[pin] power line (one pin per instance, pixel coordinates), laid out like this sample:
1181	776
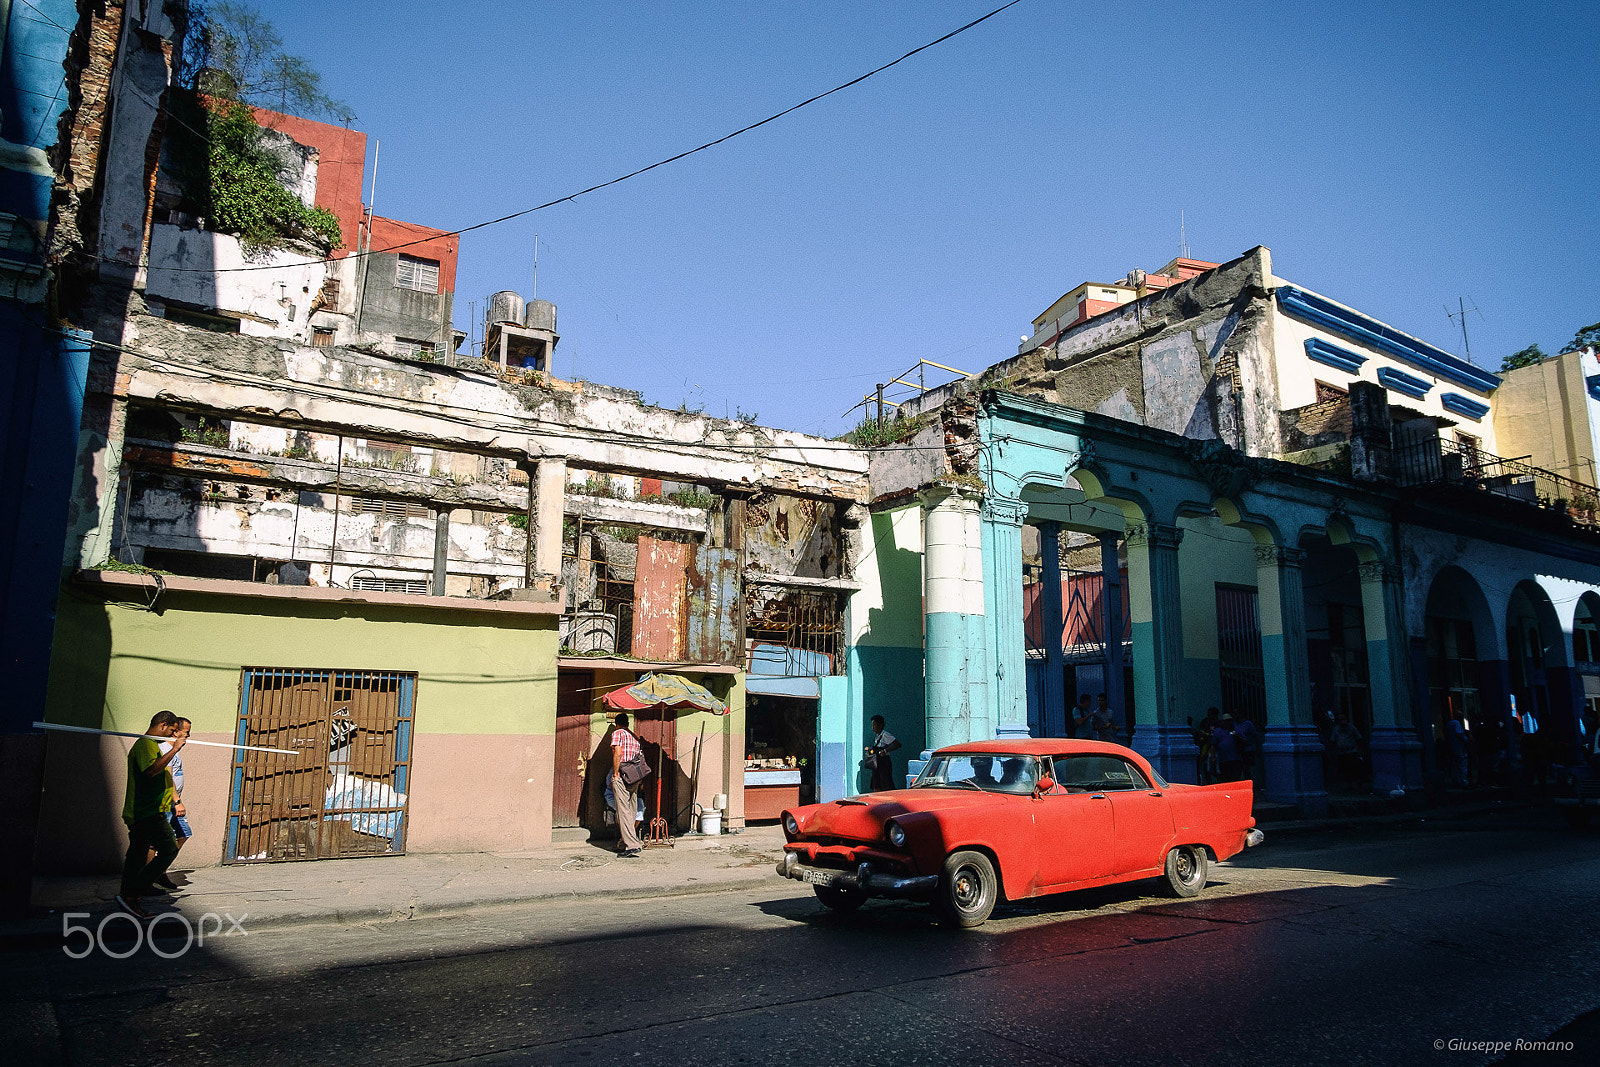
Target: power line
615	181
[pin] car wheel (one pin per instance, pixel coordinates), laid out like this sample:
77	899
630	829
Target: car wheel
1577	817
968	889
1186	870
839	899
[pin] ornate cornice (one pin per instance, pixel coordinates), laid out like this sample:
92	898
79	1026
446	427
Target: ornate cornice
1379	571
1279	556
1154	535
1003	511
1226	471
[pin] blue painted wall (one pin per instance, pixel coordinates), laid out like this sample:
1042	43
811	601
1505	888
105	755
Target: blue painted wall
42	372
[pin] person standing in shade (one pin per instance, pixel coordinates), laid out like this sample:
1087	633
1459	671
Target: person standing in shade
624	749
883	743
1104	723
147	810
1082	719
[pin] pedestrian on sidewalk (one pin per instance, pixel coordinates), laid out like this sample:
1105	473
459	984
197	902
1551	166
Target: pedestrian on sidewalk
624	749
179	814
883	743
147	809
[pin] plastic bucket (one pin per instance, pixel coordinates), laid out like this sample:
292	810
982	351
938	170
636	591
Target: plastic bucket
711	823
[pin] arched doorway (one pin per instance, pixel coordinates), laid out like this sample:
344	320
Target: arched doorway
1336	653
1541	682
1586	660
1463	671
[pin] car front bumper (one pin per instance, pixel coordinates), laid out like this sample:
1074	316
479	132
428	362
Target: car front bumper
861	879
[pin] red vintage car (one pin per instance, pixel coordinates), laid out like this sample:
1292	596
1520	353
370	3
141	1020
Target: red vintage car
997	820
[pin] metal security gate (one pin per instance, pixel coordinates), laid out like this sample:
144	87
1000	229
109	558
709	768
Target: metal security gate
344	792
1244	686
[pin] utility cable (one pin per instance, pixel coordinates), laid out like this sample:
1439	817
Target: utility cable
614	181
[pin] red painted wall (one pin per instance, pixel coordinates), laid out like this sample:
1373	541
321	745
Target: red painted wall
435	244
341	166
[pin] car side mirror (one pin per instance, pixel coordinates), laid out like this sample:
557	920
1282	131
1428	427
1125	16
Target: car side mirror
1044	785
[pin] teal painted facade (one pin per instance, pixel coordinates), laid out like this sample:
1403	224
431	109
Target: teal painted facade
1185	531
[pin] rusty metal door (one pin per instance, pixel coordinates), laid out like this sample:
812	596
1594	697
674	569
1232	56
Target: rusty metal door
343	792
574	746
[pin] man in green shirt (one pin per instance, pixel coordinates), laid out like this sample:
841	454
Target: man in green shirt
146	809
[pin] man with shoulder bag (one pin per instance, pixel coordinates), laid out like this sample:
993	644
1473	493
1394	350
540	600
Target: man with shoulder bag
628	769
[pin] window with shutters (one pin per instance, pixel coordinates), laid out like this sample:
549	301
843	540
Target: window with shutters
417	273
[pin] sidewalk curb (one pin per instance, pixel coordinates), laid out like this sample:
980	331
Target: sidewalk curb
45	931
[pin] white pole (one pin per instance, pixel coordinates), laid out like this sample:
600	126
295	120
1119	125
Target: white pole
156	737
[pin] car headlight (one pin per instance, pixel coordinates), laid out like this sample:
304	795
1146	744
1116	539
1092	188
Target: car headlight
897	834
791	825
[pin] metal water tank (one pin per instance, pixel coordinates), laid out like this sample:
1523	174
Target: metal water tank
505	306
541	315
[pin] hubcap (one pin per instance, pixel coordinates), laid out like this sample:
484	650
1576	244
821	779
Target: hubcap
1185	866
967	888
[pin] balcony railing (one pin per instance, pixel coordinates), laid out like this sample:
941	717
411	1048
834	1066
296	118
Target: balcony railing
1437	461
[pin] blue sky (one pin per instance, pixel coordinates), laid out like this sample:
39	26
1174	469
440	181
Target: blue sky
1393	156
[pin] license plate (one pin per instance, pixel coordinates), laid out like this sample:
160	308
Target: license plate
819	877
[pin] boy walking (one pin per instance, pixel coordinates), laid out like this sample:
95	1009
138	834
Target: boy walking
146	810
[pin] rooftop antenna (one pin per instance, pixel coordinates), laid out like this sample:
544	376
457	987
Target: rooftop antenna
1459	316
536	266
1183	236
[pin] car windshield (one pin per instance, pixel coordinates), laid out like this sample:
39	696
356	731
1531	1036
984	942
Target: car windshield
989	773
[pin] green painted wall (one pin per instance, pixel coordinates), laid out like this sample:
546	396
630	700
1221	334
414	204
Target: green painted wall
116	664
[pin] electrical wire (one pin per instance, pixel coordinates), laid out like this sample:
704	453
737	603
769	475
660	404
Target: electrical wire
625	177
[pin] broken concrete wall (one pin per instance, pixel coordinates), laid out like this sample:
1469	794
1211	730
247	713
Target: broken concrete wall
139	82
1194	359
792	536
185	266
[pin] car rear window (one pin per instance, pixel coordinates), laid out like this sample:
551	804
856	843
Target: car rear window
1097	773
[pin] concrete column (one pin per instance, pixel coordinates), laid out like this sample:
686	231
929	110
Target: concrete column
1053	693
1291	752
1002	590
1155	605
1111	603
1396	751
441	550
956	663
550	483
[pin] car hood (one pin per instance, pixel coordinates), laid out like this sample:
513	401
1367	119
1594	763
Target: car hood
862	818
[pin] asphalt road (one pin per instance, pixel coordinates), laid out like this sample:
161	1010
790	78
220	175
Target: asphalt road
1374	946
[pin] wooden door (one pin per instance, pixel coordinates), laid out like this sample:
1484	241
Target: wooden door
278	797
574	696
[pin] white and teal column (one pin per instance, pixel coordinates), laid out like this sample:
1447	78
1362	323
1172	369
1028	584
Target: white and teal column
1396	751
1155	607
1002	590
958	707
1291	752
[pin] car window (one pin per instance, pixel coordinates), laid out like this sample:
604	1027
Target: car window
1097	774
991	773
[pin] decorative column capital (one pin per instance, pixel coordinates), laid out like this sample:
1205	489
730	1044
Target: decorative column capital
951	495
1004	512
1380	571
1154	535
1279	556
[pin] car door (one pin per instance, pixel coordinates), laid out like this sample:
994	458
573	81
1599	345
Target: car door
1141	818
1074	829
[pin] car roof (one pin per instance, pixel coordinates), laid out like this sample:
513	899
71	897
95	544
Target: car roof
1040	746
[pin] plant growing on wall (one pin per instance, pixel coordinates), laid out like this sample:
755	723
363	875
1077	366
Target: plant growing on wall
232	59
